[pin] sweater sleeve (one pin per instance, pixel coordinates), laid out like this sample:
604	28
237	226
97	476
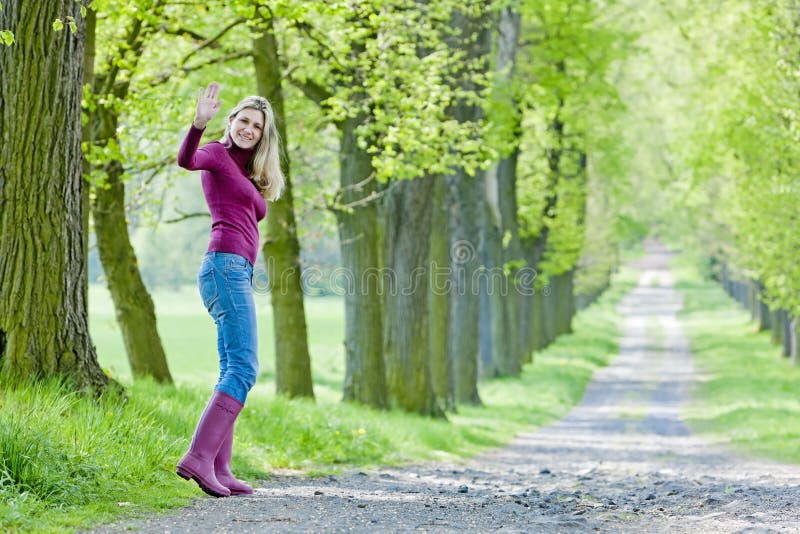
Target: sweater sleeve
192	158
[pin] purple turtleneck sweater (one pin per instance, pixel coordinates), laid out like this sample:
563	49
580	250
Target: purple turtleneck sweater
234	201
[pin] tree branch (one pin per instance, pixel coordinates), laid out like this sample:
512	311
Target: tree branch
165	75
186	32
336	207
184	216
314	91
213	40
326	53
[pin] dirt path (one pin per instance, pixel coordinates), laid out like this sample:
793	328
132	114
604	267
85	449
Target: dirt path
620	461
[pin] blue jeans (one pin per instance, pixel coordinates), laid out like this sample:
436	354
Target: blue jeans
225	287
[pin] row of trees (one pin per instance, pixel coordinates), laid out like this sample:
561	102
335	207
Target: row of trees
729	149
475	145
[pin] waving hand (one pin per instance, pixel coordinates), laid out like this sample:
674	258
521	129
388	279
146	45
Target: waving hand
208	105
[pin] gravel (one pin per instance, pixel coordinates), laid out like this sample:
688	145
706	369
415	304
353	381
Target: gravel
621	461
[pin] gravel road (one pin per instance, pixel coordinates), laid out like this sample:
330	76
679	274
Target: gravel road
621	461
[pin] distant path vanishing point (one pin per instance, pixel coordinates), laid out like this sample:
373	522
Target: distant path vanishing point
622	460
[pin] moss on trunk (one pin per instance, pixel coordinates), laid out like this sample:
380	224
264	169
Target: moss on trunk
43	309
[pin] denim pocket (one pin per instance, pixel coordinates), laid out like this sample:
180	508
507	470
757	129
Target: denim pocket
207	283
234	262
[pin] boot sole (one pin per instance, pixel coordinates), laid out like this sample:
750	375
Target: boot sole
188	476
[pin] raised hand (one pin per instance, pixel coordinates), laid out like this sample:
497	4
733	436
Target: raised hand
207	105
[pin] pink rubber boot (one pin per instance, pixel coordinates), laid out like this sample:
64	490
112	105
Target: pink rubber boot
222	468
212	429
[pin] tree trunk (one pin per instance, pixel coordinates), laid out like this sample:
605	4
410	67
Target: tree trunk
744	294
493	289
506	173
532	307
357	218
43	310
567	304
513	260
786	349
794	337
464	299
359	238
525	327
760	308
569	300
438	296
549	311
281	248
133	305
405	339
472	38
559	305
724	278
775	327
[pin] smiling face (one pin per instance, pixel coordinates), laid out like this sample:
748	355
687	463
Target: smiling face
247	127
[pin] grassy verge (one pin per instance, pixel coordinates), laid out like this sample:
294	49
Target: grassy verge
68	462
749	397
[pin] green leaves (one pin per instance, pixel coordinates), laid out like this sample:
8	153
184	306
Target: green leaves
728	155
6	36
58	24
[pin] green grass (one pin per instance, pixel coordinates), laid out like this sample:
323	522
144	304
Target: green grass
190	339
68	462
750	395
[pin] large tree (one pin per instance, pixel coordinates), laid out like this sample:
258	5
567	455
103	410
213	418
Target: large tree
282	248
110	84
43	309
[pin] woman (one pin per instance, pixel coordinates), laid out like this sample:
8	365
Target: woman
238	175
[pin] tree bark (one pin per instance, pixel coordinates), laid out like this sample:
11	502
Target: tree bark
744	294
493	288
438	297
571	304
464	301
724	278
775	327
786	349
760	308
406	343
281	248
566	303
462	331
794	337
466	212
43	309
532	306
513	260
550	311
752	300
359	238
506	174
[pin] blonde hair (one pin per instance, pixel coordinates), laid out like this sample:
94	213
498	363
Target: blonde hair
265	164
